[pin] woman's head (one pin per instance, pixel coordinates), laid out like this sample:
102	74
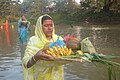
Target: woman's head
23	17
47	26
44	28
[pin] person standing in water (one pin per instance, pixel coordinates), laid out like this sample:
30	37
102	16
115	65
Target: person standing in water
36	64
23	26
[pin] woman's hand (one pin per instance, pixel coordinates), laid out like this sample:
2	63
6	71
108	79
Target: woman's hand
40	55
43	56
24	22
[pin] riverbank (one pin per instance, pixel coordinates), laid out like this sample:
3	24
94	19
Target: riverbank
86	19
97	19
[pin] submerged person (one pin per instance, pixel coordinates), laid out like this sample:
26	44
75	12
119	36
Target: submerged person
23	26
37	65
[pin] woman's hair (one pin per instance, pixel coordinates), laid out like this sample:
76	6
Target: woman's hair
22	15
45	18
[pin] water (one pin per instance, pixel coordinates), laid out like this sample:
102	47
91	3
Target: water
105	38
10	56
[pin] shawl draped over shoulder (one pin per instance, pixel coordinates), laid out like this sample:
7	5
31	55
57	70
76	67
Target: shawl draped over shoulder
41	70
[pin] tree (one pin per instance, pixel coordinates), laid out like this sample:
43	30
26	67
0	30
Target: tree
34	8
9	7
100	5
4	7
66	6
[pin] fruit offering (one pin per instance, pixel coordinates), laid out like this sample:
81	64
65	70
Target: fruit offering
57	51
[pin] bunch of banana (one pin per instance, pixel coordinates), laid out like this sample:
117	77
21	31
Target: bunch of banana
57	51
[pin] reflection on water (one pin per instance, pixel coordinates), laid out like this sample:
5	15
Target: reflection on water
7	35
10	68
10	56
105	38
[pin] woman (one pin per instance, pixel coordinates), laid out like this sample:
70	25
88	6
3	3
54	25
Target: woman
36	64
23	26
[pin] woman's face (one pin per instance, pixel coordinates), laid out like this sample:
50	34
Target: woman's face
23	18
48	27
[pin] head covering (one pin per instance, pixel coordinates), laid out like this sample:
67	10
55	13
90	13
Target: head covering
49	68
39	32
20	20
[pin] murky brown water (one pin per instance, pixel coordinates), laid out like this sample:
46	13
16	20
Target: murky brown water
106	39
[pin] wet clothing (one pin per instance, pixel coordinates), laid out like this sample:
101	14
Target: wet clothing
22	30
41	70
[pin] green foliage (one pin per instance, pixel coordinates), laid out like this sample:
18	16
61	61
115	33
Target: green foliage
61	18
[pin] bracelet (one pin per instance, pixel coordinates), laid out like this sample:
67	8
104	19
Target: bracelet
33	59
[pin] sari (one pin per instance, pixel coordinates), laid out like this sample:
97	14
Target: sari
41	70
22	31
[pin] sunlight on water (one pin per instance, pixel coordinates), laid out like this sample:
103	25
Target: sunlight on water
94	28
11	66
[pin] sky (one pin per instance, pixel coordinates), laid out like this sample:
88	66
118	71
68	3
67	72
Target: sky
21	1
78	1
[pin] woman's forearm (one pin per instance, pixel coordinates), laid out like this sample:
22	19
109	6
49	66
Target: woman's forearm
31	62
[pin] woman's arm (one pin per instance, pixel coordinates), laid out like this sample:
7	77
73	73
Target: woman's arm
31	62
38	56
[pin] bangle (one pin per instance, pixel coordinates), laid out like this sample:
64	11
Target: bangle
31	61
34	59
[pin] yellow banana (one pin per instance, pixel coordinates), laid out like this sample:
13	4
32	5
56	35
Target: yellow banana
51	50
66	51
62	50
48	52
80	52
54	48
58	51
70	51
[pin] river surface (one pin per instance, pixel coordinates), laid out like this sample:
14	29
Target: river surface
105	38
